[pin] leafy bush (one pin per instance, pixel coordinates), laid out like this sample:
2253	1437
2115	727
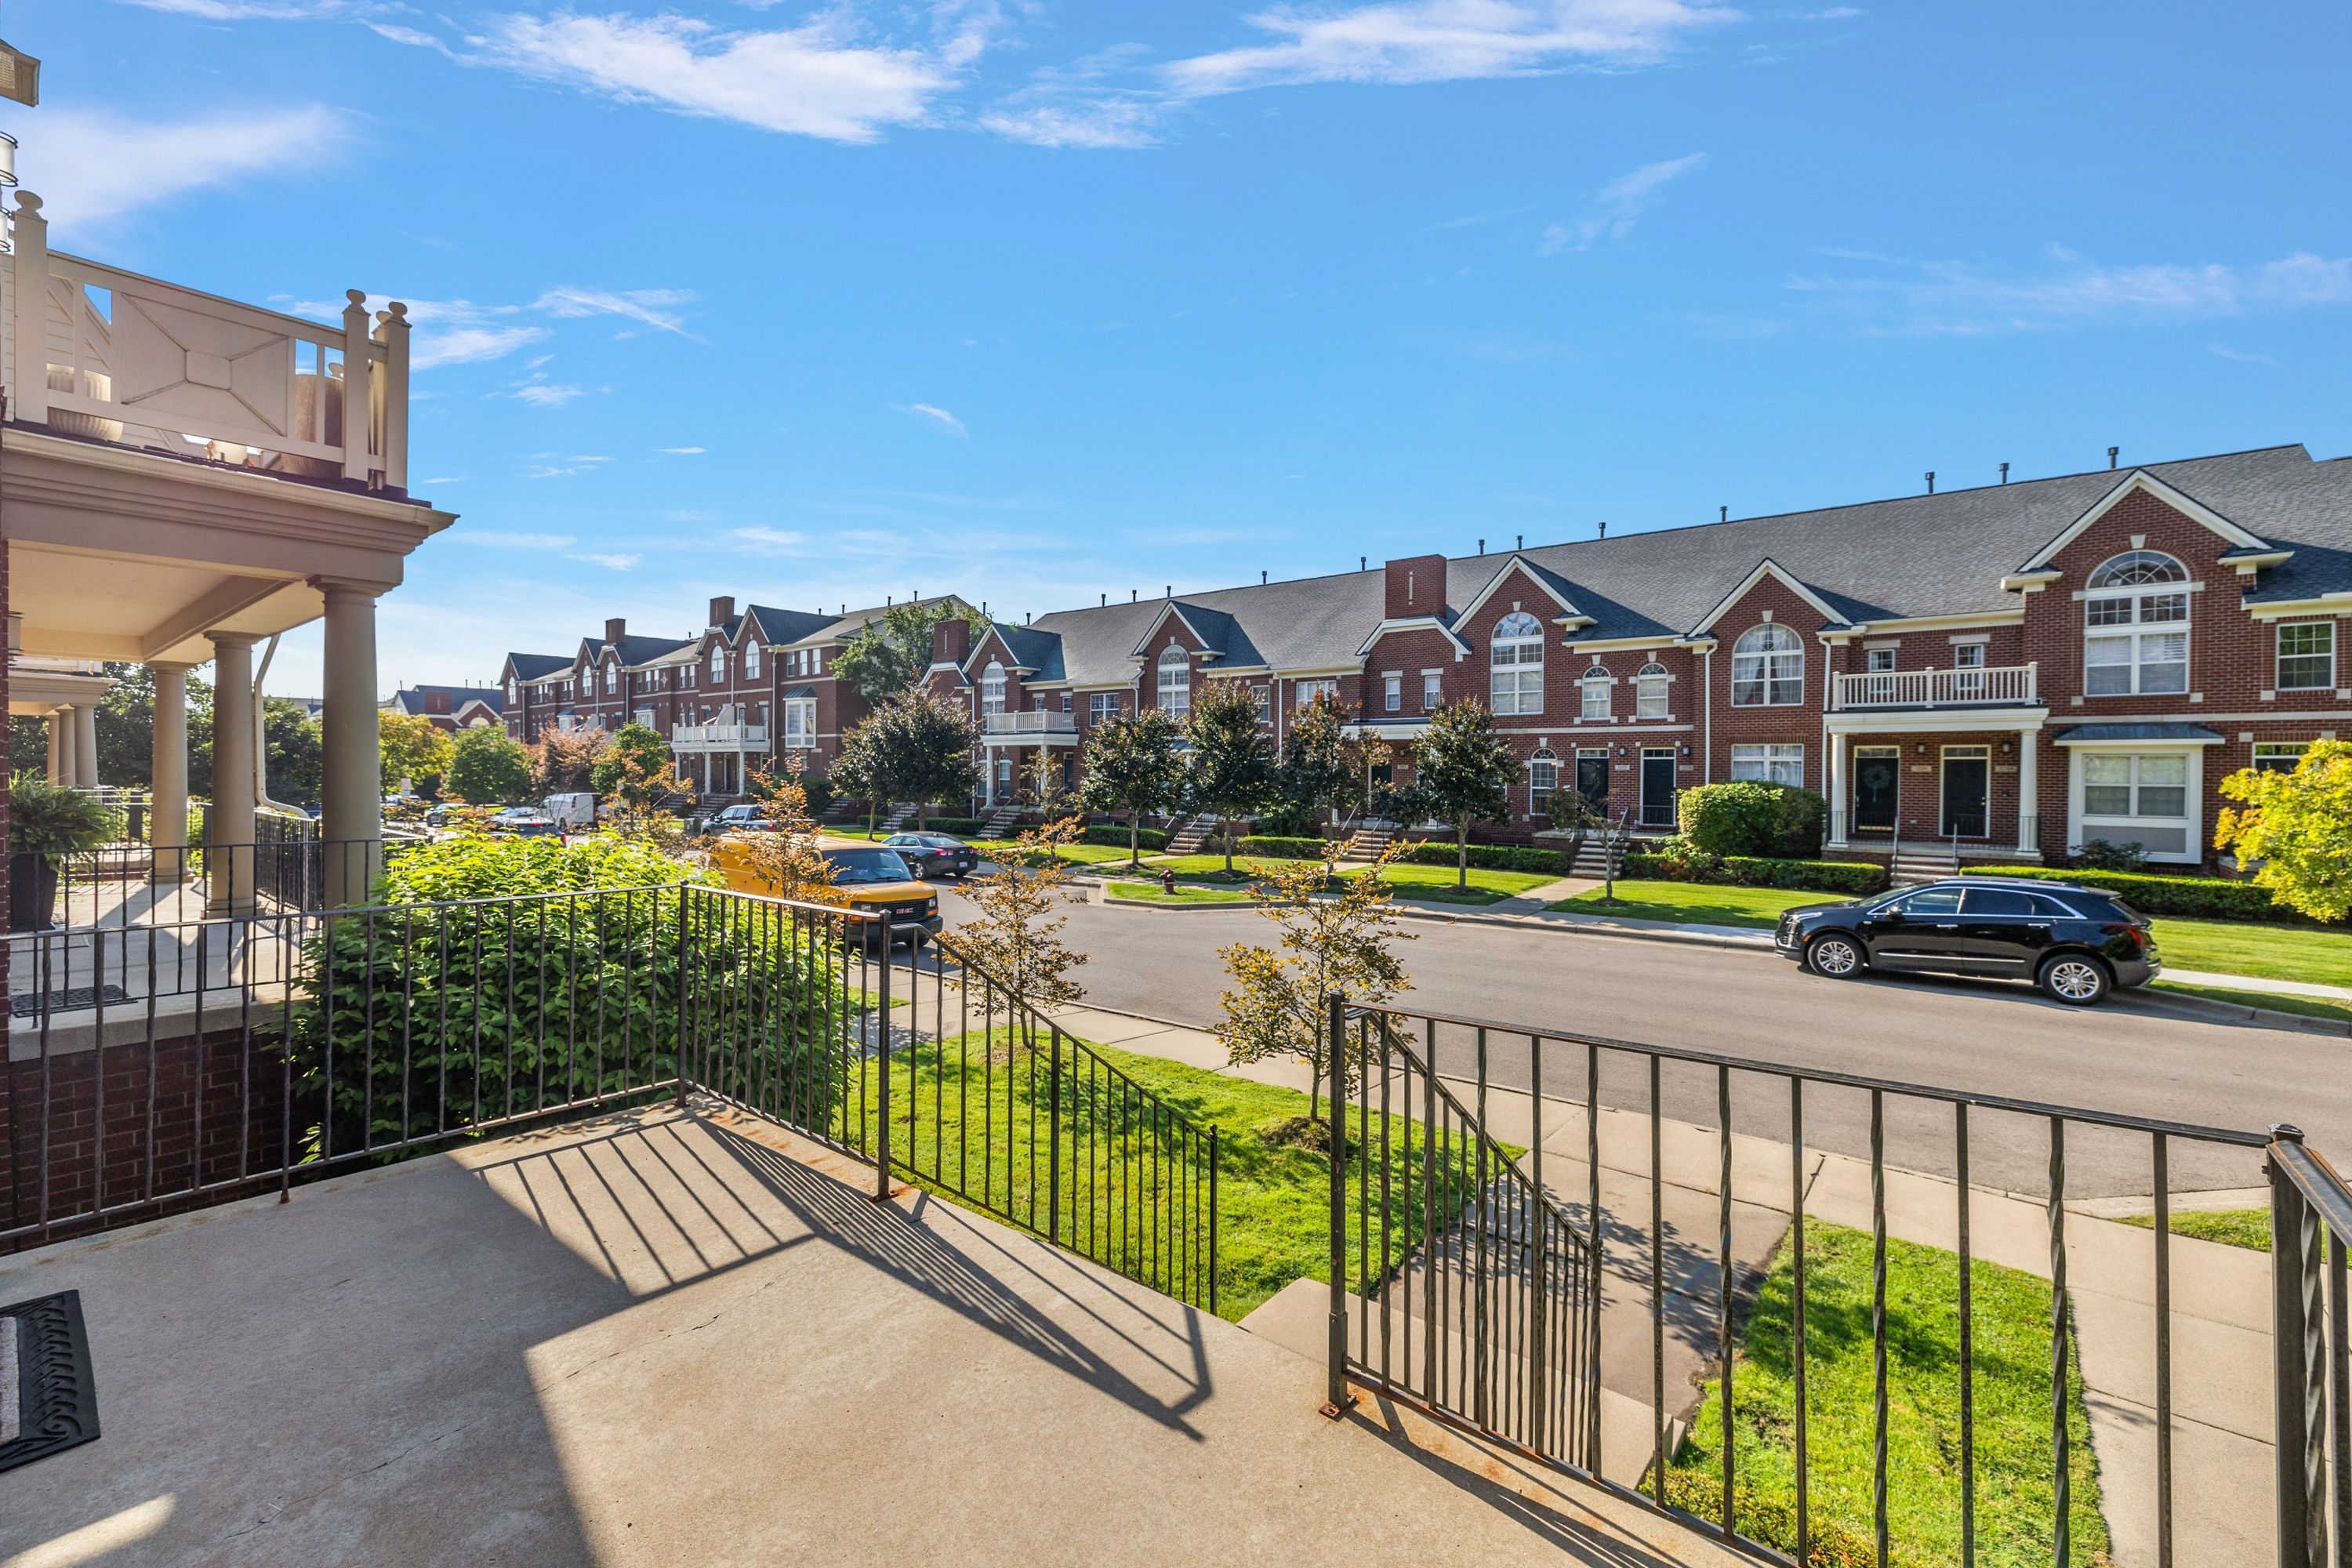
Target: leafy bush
1285	848
820	789
55	819
1748	817
1152	838
1491	857
1289	819
2184	898
963	825
2099	855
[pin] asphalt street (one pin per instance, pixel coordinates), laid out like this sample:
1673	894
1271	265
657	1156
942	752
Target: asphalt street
2129	1058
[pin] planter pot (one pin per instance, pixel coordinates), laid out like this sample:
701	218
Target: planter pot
32	891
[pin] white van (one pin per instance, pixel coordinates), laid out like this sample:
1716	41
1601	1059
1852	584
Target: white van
569	812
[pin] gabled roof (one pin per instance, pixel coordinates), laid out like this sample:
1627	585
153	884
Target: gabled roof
1768	567
1217	632
1542	577
1038	652
777	626
412	699
2138	480
536	665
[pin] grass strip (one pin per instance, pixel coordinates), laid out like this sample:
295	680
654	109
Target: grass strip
2249	1228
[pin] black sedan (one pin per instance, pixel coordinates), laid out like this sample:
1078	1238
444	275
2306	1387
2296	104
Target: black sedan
2076	944
930	854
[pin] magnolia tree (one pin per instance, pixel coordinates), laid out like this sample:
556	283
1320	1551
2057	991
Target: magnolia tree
1132	766
1015	938
914	746
2294	829
1338	942
1229	769
1463	772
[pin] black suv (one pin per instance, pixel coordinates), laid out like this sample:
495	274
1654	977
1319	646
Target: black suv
928	855
2076	944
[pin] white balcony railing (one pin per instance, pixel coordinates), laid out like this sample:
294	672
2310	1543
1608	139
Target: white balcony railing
724	736
95	352
1031	721
1936	687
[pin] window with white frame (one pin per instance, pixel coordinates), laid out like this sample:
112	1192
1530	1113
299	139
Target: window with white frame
2138	798
612	677
799	723
2135	626
1543	777
2306	656
1767	668
718	666
1878	660
1100	706
511	691
991	688
1263	697
751	661
1651	689
2278	756
1594	689
1393	693
1175	683
1302	693
1432	690
1770	764
1969	667
1515	662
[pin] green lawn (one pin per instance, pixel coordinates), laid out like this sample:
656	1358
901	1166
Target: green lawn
2011	1346
2265	951
2232	1228
1185	894
1695	903
1076	853
1192	866
1436	883
969	1117
2277	1002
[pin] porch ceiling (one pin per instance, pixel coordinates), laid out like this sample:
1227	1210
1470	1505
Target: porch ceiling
89	604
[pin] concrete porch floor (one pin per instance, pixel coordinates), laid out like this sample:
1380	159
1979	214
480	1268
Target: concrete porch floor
668	1338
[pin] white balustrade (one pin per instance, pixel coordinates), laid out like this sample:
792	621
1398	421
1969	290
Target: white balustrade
1030	721
726	736
2008	683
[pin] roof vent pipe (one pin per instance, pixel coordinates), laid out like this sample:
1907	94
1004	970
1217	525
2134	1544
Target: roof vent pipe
1482	547
1102	602
2111	456
1604	528
1723	514
1261	576
1931	481
2004	473
1171	593
1521	544
1361	562
1130	595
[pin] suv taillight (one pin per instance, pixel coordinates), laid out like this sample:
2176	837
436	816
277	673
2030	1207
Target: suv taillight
2137	933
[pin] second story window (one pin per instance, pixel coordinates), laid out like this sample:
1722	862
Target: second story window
2306	656
1516	665
1651	686
1432	690
511	691
992	689
1393	693
751	661
1100	706
1175	683
1969	667
1767	668
612	677
1263	697
2135	626
1595	689
718	667
1302	693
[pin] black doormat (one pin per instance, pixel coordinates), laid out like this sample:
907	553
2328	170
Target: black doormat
47	1400
28	1004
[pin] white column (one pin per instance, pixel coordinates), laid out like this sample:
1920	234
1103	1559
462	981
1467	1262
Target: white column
2028	790
85	746
167	834
28	393
228	851
1840	753
61	754
351	817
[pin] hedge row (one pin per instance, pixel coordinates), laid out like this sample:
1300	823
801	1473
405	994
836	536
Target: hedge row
1851	877
962	824
1283	848
1116	837
1491	857
2188	897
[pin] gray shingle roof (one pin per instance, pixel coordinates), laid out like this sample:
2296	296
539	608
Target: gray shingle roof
411	698
531	666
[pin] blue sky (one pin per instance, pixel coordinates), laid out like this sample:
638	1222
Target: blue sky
1043	301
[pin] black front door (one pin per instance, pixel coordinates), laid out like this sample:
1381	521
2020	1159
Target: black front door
1968	774
1657	788
1877	780
1592	778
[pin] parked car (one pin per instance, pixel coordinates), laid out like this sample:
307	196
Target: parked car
870	879
577	809
524	821
934	854
2076	944
744	816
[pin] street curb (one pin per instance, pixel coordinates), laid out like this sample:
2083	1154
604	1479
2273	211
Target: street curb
2205	1008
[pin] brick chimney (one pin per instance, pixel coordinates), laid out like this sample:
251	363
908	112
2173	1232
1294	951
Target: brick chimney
436	702
1416	587
615	629
951	640
722	610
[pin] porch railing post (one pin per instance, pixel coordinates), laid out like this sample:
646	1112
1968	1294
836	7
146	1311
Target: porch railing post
882	1074
677	1044
1335	1383
2289	1216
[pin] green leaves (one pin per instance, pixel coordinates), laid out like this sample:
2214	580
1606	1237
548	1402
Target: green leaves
2295	828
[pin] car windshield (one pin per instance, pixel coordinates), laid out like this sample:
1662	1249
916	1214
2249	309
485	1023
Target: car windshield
852	867
1877	901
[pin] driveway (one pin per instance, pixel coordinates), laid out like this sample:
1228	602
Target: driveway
1983	1036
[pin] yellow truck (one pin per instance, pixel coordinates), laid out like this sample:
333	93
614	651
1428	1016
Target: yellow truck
871	880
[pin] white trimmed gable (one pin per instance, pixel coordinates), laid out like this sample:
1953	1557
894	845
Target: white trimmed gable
1768	567
2138	480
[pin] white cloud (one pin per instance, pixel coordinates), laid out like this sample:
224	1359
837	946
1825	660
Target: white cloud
939	415
810	80
768	541
459	331
1620	203
2224	352
88	166
685	451
1093	122
549	467
1955	297
618	562
499	540
542	395
651	306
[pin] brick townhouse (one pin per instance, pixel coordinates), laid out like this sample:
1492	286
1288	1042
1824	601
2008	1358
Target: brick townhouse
450	708
751	688
1996	673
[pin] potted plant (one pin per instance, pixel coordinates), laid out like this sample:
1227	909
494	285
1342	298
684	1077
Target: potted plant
46	821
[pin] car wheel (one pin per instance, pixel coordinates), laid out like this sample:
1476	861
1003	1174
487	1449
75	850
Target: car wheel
1836	955
2074	978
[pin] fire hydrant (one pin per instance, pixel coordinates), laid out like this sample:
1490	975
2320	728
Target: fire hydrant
1168	883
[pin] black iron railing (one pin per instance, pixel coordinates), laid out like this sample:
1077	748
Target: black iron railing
1507	1287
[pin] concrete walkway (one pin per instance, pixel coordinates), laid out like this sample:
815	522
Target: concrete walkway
665	1339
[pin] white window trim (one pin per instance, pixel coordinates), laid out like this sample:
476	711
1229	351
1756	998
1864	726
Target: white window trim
1773	752
1766	668
2278	658
1173	661
1526	697
2081	829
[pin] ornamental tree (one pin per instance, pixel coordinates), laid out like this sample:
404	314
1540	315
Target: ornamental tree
889	654
2296	829
1321	770
410	746
1229	770
1463	772
486	768
913	746
1133	766
1015	938
565	760
637	767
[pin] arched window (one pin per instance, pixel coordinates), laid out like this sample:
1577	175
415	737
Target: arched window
1175	683
1543	777
1595	686
751	661
1516	664
1767	668
511	691
991	688
1650	695
612	676
718	666
2135	626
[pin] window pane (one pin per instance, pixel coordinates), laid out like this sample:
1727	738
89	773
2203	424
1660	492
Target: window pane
1997	901
2163	607
2109	612
2164	770
1932	902
2165	802
2106	770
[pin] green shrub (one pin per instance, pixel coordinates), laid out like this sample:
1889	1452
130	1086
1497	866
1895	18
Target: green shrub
1491	857
56	819
1115	836
1856	878
963	826
1744	817
2184	898
1284	849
